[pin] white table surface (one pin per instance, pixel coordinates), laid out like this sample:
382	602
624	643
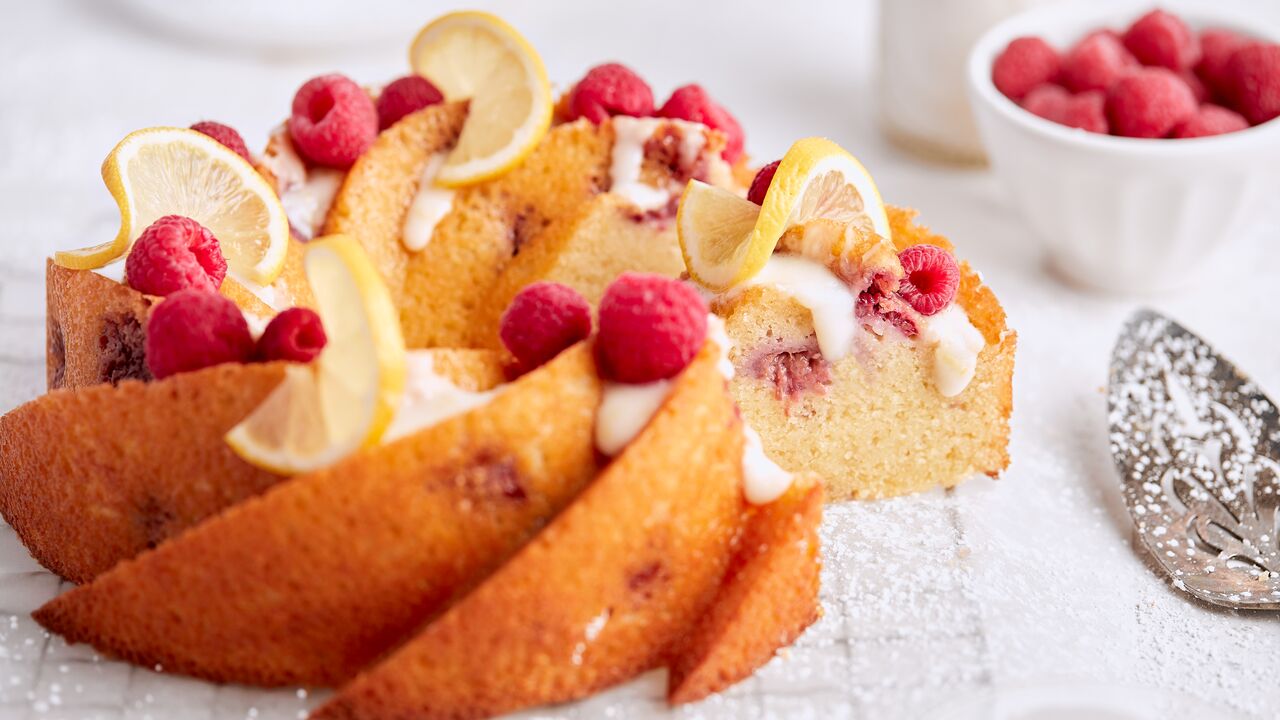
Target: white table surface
1026	585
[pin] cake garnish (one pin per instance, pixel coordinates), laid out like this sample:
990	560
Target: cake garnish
333	121
405	95
295	335
607	91
175	253
226	135
650	328
932	278
193	329
693	103
542	320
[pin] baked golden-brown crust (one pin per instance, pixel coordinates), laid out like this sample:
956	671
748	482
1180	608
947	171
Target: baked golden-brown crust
601	594
769	597
92	475
317	578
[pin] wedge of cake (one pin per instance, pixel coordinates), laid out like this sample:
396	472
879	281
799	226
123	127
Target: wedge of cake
863	349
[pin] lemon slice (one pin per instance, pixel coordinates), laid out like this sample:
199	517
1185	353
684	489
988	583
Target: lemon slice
726	240
345	400
173	171
476	56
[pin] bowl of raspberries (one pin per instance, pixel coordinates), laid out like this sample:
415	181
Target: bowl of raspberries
1137	141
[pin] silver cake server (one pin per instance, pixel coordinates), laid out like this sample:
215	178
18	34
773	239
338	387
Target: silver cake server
1197	446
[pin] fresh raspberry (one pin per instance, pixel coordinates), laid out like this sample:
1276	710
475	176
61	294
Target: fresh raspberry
1216	48
296	335
405	95
193	329
1087	111
175	253
651	327
1198	89
760	185
932	278
1210	120
1253	81
608	90
333	120
1147	103
692	103
1025	63
1048	101
1096	62
226	135
543	319
1163	40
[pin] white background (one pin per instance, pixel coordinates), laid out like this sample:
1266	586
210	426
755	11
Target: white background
1028	584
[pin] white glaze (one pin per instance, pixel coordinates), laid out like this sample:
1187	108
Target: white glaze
308	203
625	410
827	298
717	334
283	161
430	204
630	135
763	481
112	271
257	323
956	344
274	296
430	398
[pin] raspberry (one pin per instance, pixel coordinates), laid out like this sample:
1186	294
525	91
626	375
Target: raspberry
1253	81
1086	111
1047	101
1096	62
405	95
760	185
543	319
333	120
608	90
932	278
226	135
1210	120
193	329
1216	48
296	335
1025	63
651	327
1198	89
692	103
1147	103
175	253
1163	40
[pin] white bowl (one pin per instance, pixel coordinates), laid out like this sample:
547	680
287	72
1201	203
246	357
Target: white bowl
1123	214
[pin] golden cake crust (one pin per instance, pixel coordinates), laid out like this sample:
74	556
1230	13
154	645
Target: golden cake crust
97	474
769	597
601	594
314	580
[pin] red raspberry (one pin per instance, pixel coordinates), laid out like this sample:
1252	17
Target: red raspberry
760	185
175	253
405	95
1216	48
1253	81
1096	62
932	278
333	120
692	103
1210	120
543	319
226	135
1163	40
1198	89
1147	103
296	335
651	327
608	90
193	329
1048	101
1086	111
1025	63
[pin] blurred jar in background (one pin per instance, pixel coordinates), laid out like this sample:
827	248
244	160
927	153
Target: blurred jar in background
923	48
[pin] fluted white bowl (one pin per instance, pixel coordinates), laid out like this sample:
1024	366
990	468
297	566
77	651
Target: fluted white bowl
1123	214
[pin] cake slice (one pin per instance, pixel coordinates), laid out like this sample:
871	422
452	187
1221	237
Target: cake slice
310	582
863	350
601	594
95	475
768	598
